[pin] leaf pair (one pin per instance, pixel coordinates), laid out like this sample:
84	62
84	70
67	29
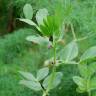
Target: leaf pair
40	16
47	25
88	79
32	82
85	85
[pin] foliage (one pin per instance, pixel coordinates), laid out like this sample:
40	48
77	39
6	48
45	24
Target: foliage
79	23
50	26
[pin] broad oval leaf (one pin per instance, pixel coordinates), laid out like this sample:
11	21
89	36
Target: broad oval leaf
41	16
80	82
28	11
69	52
31	84
27	76
39	40
89	54
55	82
42	73
83	70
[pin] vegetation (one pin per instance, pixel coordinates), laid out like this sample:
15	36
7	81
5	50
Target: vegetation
48	48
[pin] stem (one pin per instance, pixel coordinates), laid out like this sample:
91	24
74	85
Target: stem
54	48
45	93
89	93
73	32
54	67
88	86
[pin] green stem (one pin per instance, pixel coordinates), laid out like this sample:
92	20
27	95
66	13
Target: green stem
54	48
89	93
88	86
73	32
54	68
45	93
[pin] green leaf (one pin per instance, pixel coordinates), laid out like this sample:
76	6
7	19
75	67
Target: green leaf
89	54
87	70
30	22
83	70
50	27
55	82
80	82
31	84
80	90
28	11
69	52
41	16
39	40
92	68
27	76
42	73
